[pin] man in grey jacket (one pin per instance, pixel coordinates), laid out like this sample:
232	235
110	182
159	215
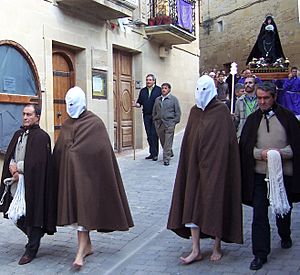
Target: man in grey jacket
166	114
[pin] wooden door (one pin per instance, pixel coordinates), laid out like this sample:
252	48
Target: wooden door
63	80
123	95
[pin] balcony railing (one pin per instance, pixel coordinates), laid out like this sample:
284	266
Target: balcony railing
172	20
180	13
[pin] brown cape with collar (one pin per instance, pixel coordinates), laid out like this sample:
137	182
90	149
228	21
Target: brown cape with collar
248	141
207	189
90	190
40	190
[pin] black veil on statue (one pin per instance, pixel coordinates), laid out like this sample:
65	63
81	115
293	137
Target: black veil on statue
267	44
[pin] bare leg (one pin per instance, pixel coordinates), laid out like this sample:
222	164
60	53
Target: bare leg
84	248
196	253
217	252
89	249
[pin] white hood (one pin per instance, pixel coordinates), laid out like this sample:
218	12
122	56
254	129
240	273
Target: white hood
76	102
205	91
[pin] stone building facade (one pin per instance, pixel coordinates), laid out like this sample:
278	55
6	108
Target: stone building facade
229	29
77	43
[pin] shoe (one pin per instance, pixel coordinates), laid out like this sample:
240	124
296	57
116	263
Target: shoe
25	259
286	244
257	263
155	158
166	163
149	157
172	155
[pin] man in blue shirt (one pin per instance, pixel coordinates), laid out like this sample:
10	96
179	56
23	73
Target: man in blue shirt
248	73
291	96
292	83
146	99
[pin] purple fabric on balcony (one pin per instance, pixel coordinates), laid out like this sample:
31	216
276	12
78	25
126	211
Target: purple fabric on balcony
185	15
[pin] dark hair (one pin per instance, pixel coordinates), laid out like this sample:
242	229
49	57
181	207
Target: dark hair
253	77
166	84
268	86
294	68
151	75
238	86
36	107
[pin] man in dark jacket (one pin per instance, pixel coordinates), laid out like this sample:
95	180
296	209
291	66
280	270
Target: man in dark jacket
271	127
28	157
146	99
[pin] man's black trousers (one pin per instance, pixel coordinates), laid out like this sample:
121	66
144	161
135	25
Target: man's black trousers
34	235
261	243
151	135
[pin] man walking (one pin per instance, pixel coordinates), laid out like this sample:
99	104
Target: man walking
146	99
245	105
206	199
91	194
271	127
28	157
166	114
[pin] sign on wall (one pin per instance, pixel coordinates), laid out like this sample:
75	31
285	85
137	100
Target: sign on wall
99	84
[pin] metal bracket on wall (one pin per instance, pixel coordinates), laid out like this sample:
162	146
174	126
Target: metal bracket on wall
207	24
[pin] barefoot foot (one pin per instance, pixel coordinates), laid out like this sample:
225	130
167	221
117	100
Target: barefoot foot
76	267
88	253
79	260
216	255
193	257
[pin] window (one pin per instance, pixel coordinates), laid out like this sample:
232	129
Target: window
19	85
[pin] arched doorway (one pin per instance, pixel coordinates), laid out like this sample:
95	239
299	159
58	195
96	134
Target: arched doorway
63	61
19	85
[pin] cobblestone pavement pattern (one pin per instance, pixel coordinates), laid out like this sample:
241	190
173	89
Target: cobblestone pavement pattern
148	248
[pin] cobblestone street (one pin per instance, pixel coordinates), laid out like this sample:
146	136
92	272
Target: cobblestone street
148	248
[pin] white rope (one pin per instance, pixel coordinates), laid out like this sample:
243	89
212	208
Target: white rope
17	207
276	190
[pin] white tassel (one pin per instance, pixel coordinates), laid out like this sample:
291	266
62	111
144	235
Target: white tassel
17	207
277	194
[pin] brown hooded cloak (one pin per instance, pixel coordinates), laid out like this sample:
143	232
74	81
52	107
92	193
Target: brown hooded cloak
90	189
207	189
40	190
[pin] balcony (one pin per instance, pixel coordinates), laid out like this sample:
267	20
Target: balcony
102	9
171	22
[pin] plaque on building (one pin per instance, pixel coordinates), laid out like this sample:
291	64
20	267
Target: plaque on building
99	82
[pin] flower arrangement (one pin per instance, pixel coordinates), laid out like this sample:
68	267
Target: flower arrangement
262	64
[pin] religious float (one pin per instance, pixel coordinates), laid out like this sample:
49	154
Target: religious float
267	60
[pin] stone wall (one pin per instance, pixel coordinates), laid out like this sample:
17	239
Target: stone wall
242	20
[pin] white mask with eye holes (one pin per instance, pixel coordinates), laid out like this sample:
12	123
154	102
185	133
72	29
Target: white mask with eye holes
76	102
205	91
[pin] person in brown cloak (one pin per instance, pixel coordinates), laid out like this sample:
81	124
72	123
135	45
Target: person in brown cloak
91	195
27	163
207	192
